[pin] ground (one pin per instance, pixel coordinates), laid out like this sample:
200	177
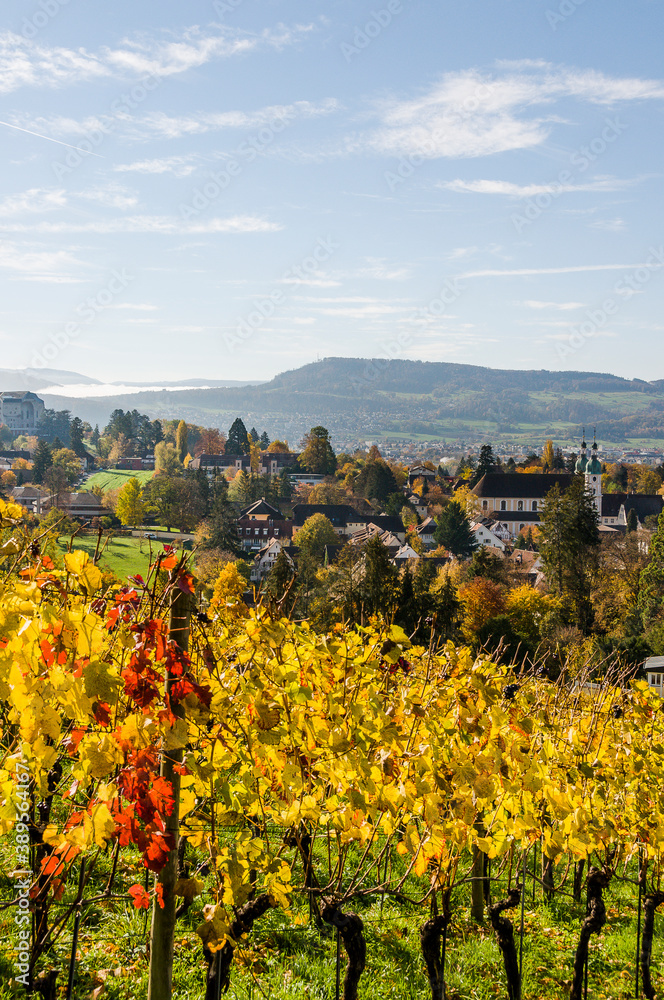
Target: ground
114	479
124	556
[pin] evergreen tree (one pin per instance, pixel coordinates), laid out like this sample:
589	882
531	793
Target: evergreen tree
454	531
254	435
41	461
486	462
569	545
285	485
279	580
317	455
380	584
265	441
94	440
632	521
407	613
376	481
651	580
221	526
447	608
511	464
76	437
238	440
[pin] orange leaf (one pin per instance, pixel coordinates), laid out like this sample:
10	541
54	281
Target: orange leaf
140	896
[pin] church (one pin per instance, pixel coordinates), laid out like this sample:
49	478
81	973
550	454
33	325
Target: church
514	499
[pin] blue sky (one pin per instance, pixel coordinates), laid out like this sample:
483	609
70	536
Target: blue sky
258	183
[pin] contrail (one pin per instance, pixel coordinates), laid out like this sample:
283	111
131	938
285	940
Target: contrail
59	142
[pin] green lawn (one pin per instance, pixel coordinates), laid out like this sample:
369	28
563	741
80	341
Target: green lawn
124	556
114	479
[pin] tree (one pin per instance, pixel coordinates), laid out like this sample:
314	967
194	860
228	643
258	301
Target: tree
131	506
548	455
380	586
237	442
316	532
486	462
210	442
647	481
651	582
376	481
181	444
173	501
220	531
56	482
94	438
279	579
317	456
454	532
632	521
68	461
569	545
76	437
54	425
41	461
482	599
254	435
279	448
166	459
265	442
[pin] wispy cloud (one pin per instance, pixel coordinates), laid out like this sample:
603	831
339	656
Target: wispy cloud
521	272
601	185
563	306
469	114
157	224
609	225
54	267
179	166
34	200
25	62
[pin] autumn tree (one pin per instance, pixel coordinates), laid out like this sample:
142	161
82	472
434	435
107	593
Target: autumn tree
482	599
210	442
181	441
311	539
68	461
317	455
166	459
548	455
130	506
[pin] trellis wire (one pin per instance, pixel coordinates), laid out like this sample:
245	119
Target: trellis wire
638	929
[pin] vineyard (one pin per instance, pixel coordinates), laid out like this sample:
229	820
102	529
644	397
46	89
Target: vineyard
199	801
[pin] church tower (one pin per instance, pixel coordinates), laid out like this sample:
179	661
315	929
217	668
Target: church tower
593	475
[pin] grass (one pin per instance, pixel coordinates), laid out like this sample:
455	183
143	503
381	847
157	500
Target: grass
287	958
123	556
114	479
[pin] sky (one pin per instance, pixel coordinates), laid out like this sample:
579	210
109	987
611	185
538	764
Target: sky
235	188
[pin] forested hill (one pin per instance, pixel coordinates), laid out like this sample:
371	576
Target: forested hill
342	375
366	398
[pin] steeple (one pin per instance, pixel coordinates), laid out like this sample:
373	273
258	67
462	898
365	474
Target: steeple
593	474
582	460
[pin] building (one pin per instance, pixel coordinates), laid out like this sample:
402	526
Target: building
265	559
29	497
83	506
514	499
489	532
261	522
271	463
22	412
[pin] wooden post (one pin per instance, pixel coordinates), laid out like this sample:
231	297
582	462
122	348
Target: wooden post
162	932
477	886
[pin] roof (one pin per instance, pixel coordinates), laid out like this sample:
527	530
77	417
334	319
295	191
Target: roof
645	504
260	508
27	491
20	394
525	516
521	485
654	663
340	514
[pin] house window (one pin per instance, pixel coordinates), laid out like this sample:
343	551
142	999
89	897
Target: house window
521	527
485	504
503	504
534	504
519	505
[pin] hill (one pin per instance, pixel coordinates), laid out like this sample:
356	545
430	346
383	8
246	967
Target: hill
359	399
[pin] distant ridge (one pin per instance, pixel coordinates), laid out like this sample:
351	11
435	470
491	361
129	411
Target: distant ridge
358	399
